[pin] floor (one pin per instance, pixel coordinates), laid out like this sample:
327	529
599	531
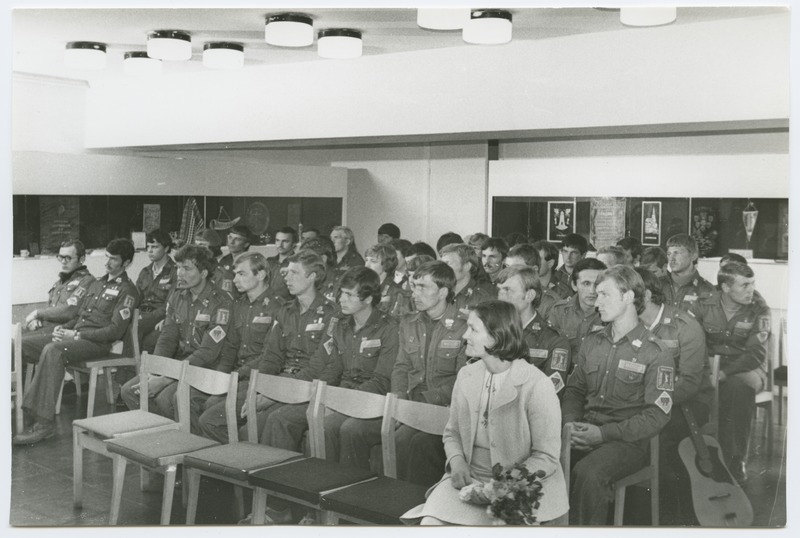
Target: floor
41	485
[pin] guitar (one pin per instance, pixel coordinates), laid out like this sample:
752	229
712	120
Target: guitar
718	500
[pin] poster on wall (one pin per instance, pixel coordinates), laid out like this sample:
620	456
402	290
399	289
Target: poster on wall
59	220
560	220
651	224
607	222
704	229
151	217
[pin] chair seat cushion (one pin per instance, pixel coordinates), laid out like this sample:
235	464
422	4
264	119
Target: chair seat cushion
107	426
155	449
381	501
237	460
306	479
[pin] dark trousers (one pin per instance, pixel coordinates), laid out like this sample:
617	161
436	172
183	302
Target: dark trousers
161	402
212	422
736	407
286	428
148	335
420	456
357	437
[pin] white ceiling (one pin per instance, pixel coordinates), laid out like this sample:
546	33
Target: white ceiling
39	35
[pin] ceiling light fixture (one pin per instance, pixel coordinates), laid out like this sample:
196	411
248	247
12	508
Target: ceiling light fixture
170	45
223	55
442	18
139	63
85	55
289	30
339	43
647	16
488	27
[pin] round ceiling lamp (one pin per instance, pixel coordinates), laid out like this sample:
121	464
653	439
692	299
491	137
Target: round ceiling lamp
223	55
170	45
647	16
289	30
442	18
85	55
139	63
488	27
339	43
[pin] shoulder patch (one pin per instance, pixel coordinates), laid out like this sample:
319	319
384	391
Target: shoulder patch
80	292
665	379
128	302
558	382
332	325
664	402
72	301
217	334
763	324
227	285
125	313
222	316
328	345
763	337
559	360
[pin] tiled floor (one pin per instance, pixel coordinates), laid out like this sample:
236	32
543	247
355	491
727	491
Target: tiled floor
41	486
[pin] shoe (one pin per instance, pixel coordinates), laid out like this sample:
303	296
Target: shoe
271	517
738	470
39	432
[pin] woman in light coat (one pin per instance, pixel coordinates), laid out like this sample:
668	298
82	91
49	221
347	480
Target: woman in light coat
503	410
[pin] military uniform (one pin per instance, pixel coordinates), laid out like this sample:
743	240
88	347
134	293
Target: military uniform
548	301
222	276
471	296
624	388
154	288
349	260
393	301
682	293
104	316
742	342
568	319
277	283
548	351
562	281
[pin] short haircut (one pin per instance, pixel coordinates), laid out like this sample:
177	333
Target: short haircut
257	263
632	245
651	284
312	263
449	238
627	279
311	230
441	274
465	253
477	240
586	263
497	243
161	237
213	239
550	250
528	276
200	256
528	253
727	273
389	229
504	326
387	254
620	256
240	229
290	231
323	246
348	233
364	281
576	241
80	249
732	257
403	245
421	247
121	247
654	255
515	238
683	240
418	261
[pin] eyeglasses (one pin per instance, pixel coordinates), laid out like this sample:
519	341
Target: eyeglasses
64	259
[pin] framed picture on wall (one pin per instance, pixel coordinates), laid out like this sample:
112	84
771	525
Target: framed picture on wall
560	220
651	223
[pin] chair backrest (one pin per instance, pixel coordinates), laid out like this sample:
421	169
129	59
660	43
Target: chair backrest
280	389
425	417
212	382
16	340
350	402
129	340
156	365
782	343
712	428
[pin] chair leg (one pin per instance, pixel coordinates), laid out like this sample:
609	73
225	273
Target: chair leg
116	491
619	506
28	376
327	517
92	392
169	493
193	485
77	469
184	491
259	506
76	378
109	386
60	395
144	479
770	431
238	501
654	502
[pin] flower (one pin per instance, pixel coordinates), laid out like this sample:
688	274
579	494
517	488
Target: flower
512	494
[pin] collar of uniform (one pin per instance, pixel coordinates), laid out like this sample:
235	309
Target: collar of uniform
659	318
66	276
120	278
371	320
318	301
685	280
450	313
259	299
636	334
204	293
529	325
575	304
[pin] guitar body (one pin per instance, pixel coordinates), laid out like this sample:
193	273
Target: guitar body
718	500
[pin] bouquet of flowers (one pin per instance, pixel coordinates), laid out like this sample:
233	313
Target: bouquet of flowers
512	495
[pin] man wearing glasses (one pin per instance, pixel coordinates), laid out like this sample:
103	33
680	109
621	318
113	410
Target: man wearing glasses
102	319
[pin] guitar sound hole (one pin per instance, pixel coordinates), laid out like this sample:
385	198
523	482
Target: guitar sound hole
719	473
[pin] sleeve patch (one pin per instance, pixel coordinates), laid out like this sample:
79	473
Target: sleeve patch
559	360
72	301
558	382
227	285
80	292
222	316
125	313
664	402
328	345
666	378
128	302
763	324
217	334
763	337
332	326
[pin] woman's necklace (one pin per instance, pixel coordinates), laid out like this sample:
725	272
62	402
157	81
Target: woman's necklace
489	390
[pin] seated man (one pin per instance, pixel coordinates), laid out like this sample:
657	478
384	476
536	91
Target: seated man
632	248
387	232
238	243
103	318
194	329
468	292
382	258
344	244
358	355
655	260
154	284
737	325
573	250
494	252
526	255
684	285
618	396
614	255
548	259
547	350
285	240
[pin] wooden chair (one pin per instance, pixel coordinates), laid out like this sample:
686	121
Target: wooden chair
648	475
566	465
234	461
765	401
382	501
90	433
712	426
780	376
16	376
162	451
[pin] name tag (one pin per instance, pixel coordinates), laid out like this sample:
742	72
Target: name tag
690	298
262	319
537	353
450	344
744	325
112	291
315	327
630	366
202	317
366	344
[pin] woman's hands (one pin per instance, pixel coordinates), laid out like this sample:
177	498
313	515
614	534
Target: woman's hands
459	472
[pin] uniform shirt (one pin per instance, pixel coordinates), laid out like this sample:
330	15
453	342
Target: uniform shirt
684	337
471	296
427	373
685	292
330	287
393	301
742	341
625	388
195	329
154	288
249	327
295	337
106	311
65	296
548	351
223	277
277	283
349	260
568	319
562	281
549	299
360	359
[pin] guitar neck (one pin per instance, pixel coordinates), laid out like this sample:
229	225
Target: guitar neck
694	432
